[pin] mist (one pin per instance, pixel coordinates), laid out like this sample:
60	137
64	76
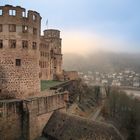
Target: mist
102	61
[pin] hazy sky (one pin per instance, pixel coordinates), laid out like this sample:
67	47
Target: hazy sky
90	25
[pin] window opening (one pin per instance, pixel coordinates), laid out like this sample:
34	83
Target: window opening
1	44
24	44
12	43
24	29
34	31
34	45
12	28
34	17
0	12
18	62
12	12
0	27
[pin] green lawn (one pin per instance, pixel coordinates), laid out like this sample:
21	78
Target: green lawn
47	84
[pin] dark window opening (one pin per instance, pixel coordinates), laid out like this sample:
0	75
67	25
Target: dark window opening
34	31
34	45
24	44
12	12
0	12
18	62
1	44
52	54
12	43
12	28
40	75
0	27
24	29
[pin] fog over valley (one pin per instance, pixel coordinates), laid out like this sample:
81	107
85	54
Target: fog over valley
102	61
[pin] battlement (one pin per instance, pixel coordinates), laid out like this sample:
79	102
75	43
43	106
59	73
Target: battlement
19	13
51	33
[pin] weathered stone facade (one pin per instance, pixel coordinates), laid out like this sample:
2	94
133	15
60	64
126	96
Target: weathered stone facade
71	75
26	57
25	119
50	55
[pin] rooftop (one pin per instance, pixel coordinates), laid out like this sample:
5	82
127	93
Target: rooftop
63	126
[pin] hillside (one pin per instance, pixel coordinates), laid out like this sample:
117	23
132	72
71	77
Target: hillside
103	62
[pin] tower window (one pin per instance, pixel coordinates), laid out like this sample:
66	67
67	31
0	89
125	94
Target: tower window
1	44
24	44
24	29
18	62
34	17
12	43
12	12
34	45
0	12
24	14
34	31
0	27
12	28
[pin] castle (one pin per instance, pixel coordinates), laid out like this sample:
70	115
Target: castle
26	56
26	59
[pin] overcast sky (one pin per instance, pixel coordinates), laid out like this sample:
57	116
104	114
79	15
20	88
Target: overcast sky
90	25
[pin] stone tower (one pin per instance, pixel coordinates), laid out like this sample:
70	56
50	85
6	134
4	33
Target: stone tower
19	51
53	37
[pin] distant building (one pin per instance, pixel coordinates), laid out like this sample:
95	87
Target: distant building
136	84
104	81
71	75
116	83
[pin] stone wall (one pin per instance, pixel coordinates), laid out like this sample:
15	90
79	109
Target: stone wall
71	75
25	119
18	57
26	57
10	120
41	110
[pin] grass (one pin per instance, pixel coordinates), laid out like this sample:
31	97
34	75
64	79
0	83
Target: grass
48	84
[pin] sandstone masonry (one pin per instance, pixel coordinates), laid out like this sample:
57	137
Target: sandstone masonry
26	57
